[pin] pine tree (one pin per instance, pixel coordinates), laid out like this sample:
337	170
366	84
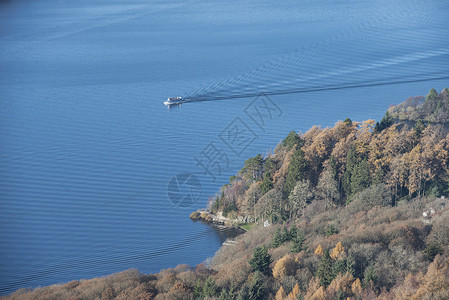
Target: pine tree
324	271
228	293
298	243
267	183
432	95
295	172
257	289
210	289
243	293
343	266
360	177
369	275
277	238
253	167
291	140
198	290
351	162
261	260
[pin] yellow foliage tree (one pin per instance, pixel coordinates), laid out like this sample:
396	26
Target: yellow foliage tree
312	289
294	293
356	287
436	280
338	252
281	295
284	267
319	250
342	283
319	294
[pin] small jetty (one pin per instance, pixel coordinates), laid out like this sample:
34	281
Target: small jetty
230	242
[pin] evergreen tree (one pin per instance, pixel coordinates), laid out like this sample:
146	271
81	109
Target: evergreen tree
285	234
205	290
271	165
369	275
293	232
343	266
291	140
253	167
360	177
325	271
432	95
298	243
351	162
198	290
210	289
331	230
277	238
386	122
432	250
295	172
257	289
229	293
261	260
282	236
243	293
267	183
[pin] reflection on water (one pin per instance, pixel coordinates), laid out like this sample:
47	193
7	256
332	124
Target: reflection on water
223	232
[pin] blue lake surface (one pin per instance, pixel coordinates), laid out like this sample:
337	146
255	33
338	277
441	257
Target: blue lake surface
88	149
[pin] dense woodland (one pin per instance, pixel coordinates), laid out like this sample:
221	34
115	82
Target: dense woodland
433	108
357	211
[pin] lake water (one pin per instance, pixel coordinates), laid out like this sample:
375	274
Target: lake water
90	155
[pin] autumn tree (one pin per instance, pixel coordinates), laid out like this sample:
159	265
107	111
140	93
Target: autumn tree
269	205
286	266
251	197
356	287
281	295
299	197
294	293
338	252
328	187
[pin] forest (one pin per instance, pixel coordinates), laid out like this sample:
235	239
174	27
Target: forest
355	211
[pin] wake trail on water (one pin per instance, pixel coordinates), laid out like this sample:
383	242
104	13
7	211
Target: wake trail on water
378	57
293	75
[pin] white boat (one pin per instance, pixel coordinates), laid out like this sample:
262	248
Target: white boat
174	100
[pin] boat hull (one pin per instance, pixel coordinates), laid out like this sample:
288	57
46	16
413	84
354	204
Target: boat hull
174	102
